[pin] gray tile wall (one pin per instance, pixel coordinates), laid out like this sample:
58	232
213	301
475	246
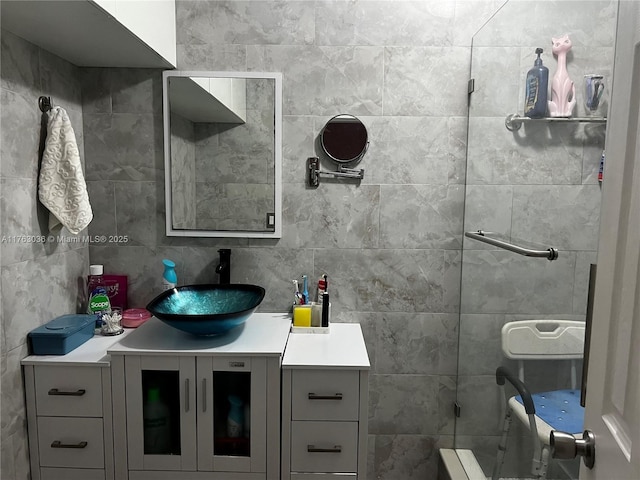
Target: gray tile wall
390	246
39	281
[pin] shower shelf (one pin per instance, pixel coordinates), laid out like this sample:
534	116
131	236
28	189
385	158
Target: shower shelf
514	121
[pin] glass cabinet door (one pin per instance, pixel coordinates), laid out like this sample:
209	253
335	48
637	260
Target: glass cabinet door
231	414
161	412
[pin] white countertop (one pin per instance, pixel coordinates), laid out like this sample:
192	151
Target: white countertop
93	352
343	347
262	334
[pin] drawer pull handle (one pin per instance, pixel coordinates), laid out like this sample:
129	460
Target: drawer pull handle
77	393
315	396
59	444
314	449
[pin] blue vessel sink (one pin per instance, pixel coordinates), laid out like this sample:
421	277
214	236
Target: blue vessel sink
206	309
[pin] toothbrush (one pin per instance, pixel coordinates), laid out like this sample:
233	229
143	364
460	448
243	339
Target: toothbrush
305	290
297	297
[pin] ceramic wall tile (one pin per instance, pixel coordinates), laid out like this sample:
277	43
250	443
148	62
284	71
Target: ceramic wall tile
20	135
138	215
565	217
480	341
479	398
409	150
324	80
24	221
136	90
384	280
429	81
245	23
411	404
384	23
499	281
142	265
15	457
421	216
123	147
102	197
41	289
471	17
273	269
297	145
498	156
488	208
497	81
14	418
212	57
333	215
20	65
59	79
410	343
513	25
457	150
408	457
451	281
96	90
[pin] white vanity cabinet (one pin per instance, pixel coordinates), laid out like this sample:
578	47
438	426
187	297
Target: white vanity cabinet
198	382
324	405
69	415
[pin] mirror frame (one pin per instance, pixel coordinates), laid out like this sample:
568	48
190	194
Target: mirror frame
166	114
343	161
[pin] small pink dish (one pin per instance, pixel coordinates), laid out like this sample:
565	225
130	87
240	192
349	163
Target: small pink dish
134	317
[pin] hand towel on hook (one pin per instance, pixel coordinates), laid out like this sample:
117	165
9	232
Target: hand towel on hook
61	186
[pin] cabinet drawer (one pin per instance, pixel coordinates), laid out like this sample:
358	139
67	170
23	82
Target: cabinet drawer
79	442
324	446
68	391
325	395
71	474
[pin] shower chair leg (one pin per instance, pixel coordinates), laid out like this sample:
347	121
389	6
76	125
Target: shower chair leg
502	447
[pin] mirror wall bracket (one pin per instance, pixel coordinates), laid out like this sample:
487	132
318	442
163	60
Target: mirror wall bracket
314	172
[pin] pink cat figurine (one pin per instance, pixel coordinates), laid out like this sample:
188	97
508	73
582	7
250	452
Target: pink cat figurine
563	91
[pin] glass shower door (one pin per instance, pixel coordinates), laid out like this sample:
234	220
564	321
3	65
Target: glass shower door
536	187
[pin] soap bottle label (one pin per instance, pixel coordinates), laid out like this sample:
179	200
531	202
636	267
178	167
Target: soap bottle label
532	93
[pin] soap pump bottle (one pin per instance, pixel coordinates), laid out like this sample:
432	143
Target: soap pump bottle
536	86
97	297
169	277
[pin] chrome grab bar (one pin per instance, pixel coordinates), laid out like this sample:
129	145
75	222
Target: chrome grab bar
549	254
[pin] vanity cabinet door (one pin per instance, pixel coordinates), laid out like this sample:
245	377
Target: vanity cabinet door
232	414
161	412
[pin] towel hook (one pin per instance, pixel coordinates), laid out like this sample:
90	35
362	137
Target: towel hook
45	104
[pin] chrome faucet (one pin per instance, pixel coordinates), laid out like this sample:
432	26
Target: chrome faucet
224	267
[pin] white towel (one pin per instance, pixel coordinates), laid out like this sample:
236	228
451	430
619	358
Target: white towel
62	188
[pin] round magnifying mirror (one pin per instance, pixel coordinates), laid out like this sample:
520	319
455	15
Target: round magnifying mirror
344	139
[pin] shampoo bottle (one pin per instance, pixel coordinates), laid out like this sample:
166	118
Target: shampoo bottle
536	86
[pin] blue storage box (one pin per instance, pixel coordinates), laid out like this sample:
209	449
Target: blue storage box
62	334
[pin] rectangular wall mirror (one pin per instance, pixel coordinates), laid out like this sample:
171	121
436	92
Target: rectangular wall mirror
223	154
